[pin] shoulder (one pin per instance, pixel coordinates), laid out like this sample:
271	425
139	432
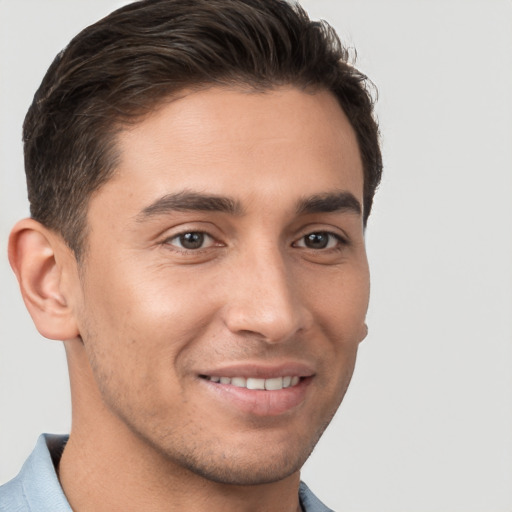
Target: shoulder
36	487
12	498
309	502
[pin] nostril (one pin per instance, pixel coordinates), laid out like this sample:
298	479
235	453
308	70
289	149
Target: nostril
269	322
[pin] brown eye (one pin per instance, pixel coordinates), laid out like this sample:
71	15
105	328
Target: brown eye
192	240
316	240
319	240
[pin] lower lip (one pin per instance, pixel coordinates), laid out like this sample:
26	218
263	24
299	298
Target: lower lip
260	402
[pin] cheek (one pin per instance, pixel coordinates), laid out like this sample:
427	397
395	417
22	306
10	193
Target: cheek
339	298
138	322
148	328
137	335
340	302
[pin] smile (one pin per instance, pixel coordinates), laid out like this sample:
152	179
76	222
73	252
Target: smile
272	384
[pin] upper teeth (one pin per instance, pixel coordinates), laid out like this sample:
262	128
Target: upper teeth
273	384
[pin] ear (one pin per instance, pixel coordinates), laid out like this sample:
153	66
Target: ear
364	332
39	258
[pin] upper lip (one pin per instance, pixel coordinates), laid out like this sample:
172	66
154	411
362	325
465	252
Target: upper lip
260	370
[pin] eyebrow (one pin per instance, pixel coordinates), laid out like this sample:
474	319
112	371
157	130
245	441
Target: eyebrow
197	201
331	202
190	201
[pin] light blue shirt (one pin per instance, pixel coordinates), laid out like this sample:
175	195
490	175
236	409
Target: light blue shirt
37	487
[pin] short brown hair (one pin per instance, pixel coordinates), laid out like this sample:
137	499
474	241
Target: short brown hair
124	65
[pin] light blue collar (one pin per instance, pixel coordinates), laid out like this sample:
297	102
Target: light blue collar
37	487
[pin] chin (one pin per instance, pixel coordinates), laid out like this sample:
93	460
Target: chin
240	465
235	471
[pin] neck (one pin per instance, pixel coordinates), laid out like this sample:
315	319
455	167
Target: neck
100	475
107	467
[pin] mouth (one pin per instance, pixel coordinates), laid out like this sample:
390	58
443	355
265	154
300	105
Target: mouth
255	383
258	389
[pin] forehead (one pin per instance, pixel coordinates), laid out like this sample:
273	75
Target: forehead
278	144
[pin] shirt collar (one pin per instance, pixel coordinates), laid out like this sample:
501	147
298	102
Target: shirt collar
38	478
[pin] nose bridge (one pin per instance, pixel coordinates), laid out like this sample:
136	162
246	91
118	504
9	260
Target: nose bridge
266	301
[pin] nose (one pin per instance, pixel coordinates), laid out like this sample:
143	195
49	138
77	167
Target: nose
265	299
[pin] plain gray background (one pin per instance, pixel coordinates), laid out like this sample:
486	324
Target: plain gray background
427	423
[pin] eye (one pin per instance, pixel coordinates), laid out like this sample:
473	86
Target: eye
191	240
319	240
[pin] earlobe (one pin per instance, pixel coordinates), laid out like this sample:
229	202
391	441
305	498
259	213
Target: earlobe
34	257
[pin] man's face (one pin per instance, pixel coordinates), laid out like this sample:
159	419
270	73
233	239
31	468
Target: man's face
227	253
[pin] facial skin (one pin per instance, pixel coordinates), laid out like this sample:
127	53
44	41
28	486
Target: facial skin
272	282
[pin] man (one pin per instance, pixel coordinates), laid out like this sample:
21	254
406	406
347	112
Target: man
200	174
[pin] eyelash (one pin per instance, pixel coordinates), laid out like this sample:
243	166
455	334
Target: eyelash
340	241
178	236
